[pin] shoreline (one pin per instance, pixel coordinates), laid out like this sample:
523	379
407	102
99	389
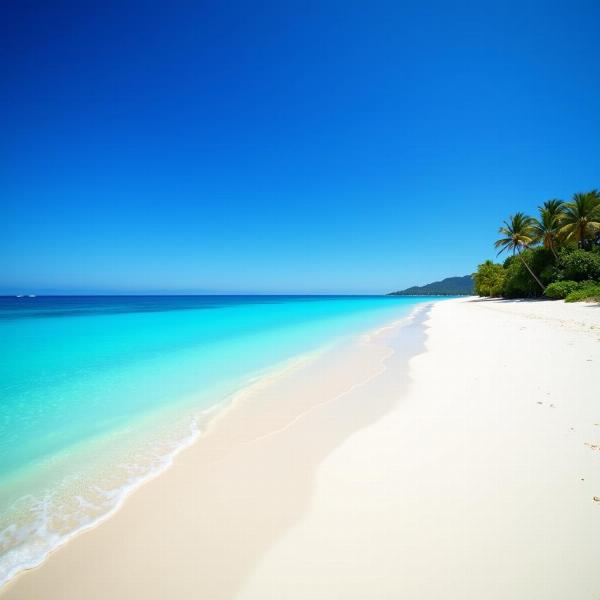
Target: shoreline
461	462
480	483
254	387
199	424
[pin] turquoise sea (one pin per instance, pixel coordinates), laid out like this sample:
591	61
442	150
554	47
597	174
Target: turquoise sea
98	393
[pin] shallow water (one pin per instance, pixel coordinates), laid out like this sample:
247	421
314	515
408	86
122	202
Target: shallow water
98	393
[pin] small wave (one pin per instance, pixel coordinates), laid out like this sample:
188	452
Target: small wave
27	545
48	524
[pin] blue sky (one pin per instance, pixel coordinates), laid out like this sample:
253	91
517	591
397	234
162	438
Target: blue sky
284	146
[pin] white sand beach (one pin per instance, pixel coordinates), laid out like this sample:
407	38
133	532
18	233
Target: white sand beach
469	472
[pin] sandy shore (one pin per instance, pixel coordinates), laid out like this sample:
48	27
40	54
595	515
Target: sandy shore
469	472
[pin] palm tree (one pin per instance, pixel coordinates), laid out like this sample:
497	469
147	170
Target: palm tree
519	234
546	229
581	217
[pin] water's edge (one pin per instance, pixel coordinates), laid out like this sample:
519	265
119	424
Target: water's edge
416	317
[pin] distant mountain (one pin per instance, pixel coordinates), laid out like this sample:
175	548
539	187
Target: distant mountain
451	286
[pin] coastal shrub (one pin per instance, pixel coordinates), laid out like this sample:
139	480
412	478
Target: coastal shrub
518	282
489	279
589	292
578	265
561	289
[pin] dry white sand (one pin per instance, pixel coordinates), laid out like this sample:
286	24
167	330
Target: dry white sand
473	478
480	484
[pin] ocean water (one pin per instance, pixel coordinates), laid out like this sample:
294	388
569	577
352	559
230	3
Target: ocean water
99	393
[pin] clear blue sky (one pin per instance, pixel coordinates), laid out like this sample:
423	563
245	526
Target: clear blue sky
284	146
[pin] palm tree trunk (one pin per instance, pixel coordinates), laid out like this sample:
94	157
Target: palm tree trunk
531	272
553	250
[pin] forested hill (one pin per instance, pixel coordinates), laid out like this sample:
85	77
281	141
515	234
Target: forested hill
451	286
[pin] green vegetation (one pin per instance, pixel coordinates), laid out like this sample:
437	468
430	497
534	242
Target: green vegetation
519	283
578	265
556	254
587	293
489	279
519	234
559	290
580	219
